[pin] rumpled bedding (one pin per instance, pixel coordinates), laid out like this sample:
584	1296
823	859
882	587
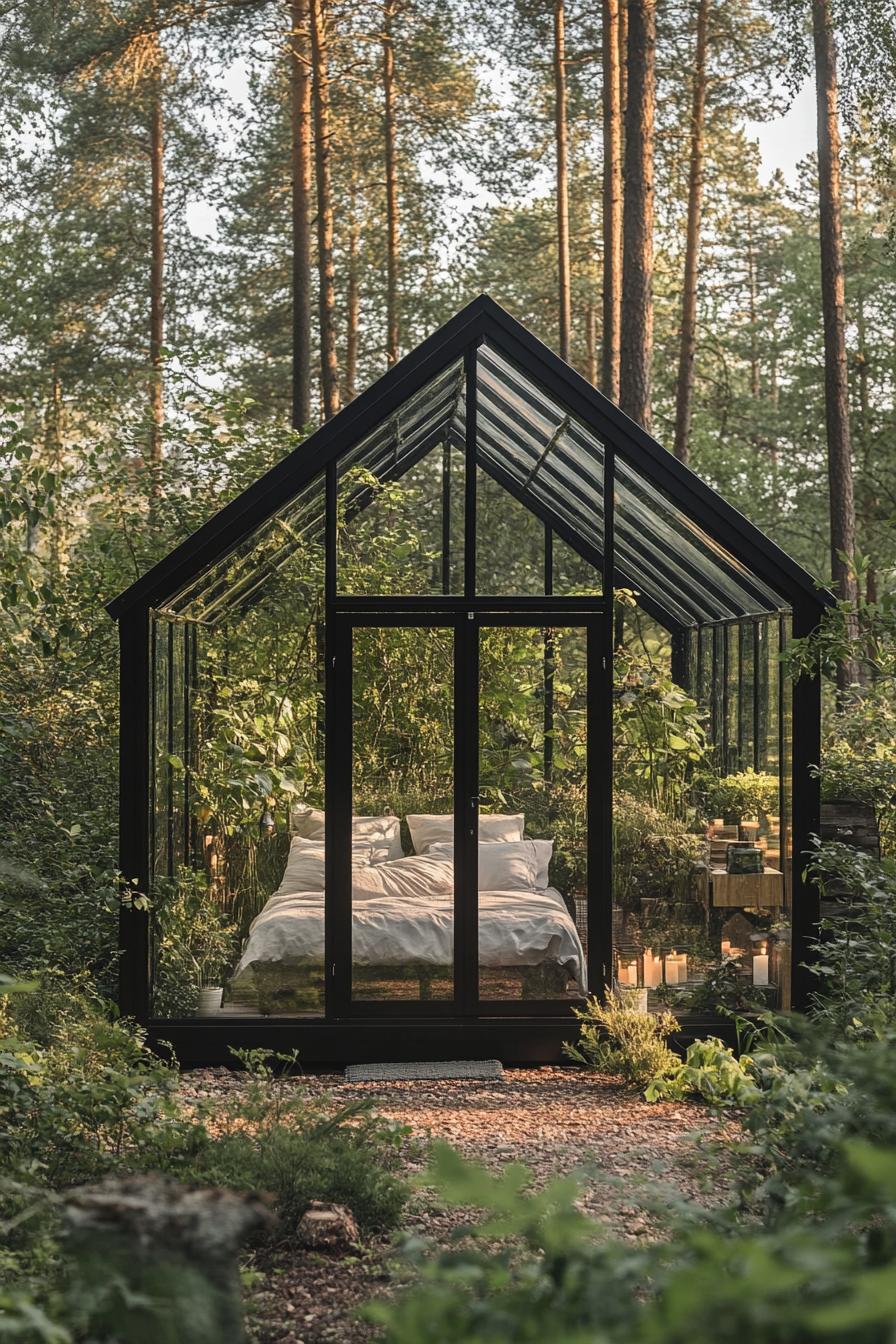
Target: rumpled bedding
403	912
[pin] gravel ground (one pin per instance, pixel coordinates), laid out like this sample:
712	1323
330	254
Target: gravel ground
551	1119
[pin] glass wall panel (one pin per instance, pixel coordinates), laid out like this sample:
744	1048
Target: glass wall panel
701	882
402	803
532	830
401	495
509	543
237	883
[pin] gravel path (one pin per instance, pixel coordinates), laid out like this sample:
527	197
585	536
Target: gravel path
551	1119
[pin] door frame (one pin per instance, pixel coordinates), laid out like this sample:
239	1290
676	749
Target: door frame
466	618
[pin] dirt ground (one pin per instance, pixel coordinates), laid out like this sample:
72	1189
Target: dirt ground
552	1119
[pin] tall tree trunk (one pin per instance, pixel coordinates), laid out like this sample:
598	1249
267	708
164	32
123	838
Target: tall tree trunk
591	343
393	336
329	368
561	135
752	297
156	272
684	397
352	294
637	215
836	386
300	107
613	62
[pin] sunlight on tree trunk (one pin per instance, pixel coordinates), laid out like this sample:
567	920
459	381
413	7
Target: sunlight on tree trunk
638	206
561	138
836	386
612	198
393	337
300	108
688	341
157	271
321	100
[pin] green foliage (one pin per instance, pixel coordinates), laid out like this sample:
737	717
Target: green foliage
709	1071
745	794
275	1136
855	951
653	853
195	942
725	989
619	1040
660	733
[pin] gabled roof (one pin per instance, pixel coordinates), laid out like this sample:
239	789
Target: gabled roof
542	432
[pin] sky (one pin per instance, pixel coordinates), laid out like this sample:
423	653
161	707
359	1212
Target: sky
786	140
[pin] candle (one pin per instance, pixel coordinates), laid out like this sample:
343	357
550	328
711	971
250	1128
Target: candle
676	968
628	973
653	969
726	947
760	969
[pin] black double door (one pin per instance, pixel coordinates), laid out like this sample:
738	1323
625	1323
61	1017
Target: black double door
474	723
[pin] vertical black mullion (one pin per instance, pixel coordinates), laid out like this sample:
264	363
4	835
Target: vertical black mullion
599	754
189	631
760	691
135	771
466	814
169	738
549	652
337	829
725	672
446	517
470	472
741	707
330	519
806	805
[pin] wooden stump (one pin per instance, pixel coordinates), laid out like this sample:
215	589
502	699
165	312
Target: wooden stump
156	1263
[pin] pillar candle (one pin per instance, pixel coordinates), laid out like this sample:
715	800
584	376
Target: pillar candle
726	947
676	968
760	969
653	969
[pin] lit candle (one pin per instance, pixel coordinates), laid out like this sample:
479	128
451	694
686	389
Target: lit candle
628	973
653	969
676	968
726	947
760	968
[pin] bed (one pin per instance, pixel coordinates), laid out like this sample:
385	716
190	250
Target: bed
403	927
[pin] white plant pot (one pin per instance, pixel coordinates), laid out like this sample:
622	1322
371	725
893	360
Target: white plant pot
210	1000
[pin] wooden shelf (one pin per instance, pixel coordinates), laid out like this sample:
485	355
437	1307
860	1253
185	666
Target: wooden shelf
746	889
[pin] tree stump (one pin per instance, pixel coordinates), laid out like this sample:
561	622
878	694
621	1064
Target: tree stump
327	1227
154	1262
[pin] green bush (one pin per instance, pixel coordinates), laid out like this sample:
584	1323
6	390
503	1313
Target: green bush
710	1071
273	1135
653	854
736	796
619	1040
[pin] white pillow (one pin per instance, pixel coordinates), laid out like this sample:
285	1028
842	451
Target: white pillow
438	828
512	865
304	868
416	877
381	831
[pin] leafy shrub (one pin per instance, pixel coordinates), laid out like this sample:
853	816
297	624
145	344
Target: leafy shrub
654	855
274	1136
744	794
619	1040
725	990
710	1071
195	942
855	953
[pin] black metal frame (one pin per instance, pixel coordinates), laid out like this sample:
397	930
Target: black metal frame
460	338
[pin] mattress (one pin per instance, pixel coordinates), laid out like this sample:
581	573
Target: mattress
517	928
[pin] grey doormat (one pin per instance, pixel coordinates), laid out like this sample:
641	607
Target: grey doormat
440	1068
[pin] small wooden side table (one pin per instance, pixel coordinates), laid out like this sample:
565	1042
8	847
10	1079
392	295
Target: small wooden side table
746	889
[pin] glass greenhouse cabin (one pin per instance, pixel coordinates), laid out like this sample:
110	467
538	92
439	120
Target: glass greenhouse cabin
470	707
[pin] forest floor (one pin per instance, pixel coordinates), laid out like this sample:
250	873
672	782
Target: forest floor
553	1120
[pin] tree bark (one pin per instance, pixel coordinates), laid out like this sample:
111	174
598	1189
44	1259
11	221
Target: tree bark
327	301
836	385
393	337
156	273
637	215
352	296
752	296
561	135
612	199
684	399
300	107
591	343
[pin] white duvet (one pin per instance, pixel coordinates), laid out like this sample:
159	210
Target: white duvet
403	911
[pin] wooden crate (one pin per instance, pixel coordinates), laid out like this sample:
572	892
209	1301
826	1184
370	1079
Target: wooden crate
742	889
